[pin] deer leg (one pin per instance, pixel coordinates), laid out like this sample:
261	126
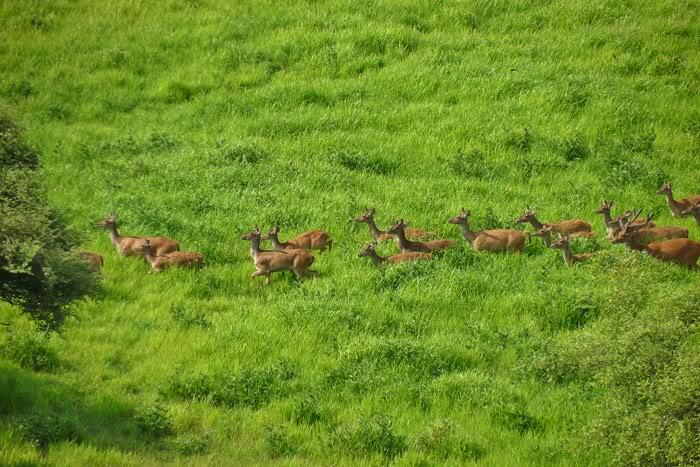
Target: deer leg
267	279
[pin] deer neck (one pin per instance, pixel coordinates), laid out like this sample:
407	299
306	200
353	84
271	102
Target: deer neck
401	240
254	247
608	219
276	243
535	223
674	205
468	235
114	235
374	230
376	259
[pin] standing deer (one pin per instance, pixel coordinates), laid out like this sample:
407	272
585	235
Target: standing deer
131	246
676	250
266	262
613	226
490	240
180	259
694	211
405	245
677	206
569	258
369	250
380	235
563	227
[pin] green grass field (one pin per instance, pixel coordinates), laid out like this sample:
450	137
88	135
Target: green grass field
198	119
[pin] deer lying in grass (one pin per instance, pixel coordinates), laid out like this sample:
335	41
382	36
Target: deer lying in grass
272	236
569	258
678	207
266	262
563	227
676	250
178	259
380	235
131	246
311	240
93	260
490	240
694	211
612	225
545	233
646	234
398	228
369	250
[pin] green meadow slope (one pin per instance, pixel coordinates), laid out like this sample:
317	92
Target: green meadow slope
198	119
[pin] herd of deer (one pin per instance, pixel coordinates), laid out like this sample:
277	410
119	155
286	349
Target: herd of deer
665	243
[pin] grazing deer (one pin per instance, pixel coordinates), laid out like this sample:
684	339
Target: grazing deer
612	225
405	245
266	262
676	250
490	240
131	246
563	227
694	211
379	235
93	260
569	258
369	250
311	240
180	259
677	206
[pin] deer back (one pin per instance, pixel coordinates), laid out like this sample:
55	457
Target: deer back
408	256
571	226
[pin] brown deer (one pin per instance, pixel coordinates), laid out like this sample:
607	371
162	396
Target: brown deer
93	260
677	206
676	250
380	235
405	245
369	250
272	236
179	259
563	227
545	233
130	246
569	258
266	262
311	240
490	240
694	211
612	225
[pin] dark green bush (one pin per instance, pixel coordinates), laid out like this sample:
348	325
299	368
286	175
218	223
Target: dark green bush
307	411
154	421
371	435
42	429
279	442
31	352
188	318
191	445
516	418
37	270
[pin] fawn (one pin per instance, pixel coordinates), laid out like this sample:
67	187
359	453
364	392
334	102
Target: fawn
131	246
380	235
405	245
569	258
180	259
490	240
369	250
93	260
563	227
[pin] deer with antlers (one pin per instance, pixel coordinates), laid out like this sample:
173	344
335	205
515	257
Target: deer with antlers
612	225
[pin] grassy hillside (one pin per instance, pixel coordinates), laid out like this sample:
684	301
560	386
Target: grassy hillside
198	119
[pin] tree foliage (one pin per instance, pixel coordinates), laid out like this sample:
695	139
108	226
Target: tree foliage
38	270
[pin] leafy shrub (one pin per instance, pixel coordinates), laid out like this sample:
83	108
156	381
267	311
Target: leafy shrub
364	163
371	435
279	442
154	421
37	270
31	352
42	429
